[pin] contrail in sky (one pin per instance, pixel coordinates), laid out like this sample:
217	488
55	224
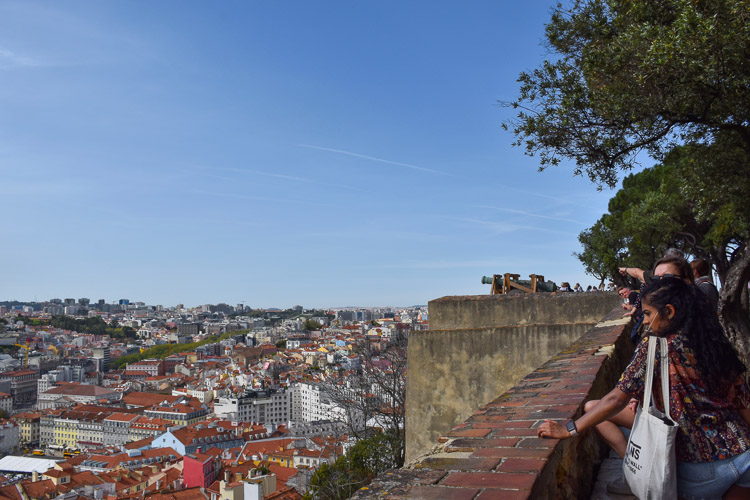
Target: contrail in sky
521	212
381	160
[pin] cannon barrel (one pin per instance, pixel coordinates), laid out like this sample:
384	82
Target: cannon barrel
541	286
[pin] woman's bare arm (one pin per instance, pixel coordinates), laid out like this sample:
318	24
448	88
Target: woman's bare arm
609	406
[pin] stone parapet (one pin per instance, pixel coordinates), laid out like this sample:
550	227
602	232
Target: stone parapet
480	346
495	453
491	311
451	373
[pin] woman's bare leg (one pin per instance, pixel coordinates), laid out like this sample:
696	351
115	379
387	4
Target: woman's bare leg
610	431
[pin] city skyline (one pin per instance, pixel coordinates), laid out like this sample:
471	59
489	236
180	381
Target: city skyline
92	304
328	155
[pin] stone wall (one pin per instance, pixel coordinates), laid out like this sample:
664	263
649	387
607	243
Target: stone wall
495	453
451	372
480	311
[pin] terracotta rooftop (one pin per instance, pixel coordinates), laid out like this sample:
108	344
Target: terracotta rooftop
75	389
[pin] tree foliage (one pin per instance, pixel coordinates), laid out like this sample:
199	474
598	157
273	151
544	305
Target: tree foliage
311	325
628	77
650	213
94	325
357	468
162	351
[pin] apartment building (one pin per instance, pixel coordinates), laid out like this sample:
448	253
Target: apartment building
311	402
146	427
117	428
91	430
22	386
202	395
47	427
264	407
66	429
28	428
183	411
145	368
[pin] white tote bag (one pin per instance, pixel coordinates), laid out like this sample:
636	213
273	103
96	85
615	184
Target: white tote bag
650	467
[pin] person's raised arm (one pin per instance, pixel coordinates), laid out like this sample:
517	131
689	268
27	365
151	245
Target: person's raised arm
634	272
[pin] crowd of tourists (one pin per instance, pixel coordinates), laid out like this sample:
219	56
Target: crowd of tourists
565	287
707	399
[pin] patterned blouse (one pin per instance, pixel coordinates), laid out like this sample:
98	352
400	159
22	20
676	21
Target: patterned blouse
711	428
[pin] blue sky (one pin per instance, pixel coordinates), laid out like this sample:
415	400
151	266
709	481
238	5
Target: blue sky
274	153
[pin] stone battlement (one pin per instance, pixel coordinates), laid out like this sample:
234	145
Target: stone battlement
478	347
495	452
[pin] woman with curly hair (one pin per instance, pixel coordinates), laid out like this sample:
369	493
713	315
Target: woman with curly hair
708	396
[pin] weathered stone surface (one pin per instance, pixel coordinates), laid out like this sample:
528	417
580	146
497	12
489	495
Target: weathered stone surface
446	463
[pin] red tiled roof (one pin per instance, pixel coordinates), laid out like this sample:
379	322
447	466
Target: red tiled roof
18	373
75	389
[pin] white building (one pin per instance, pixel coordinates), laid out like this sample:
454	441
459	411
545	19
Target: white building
202	395
63	395
264	407
63	373
311	402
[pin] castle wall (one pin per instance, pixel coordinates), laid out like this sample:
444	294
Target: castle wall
495	453
453	371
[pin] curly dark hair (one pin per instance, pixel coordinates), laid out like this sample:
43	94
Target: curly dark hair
716	358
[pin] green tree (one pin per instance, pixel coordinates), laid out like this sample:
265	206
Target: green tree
129	332
162	350
357	468
311	324
601	253
634	77
650	213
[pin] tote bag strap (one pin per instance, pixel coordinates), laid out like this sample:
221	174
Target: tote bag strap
649	373
664	370
664	353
